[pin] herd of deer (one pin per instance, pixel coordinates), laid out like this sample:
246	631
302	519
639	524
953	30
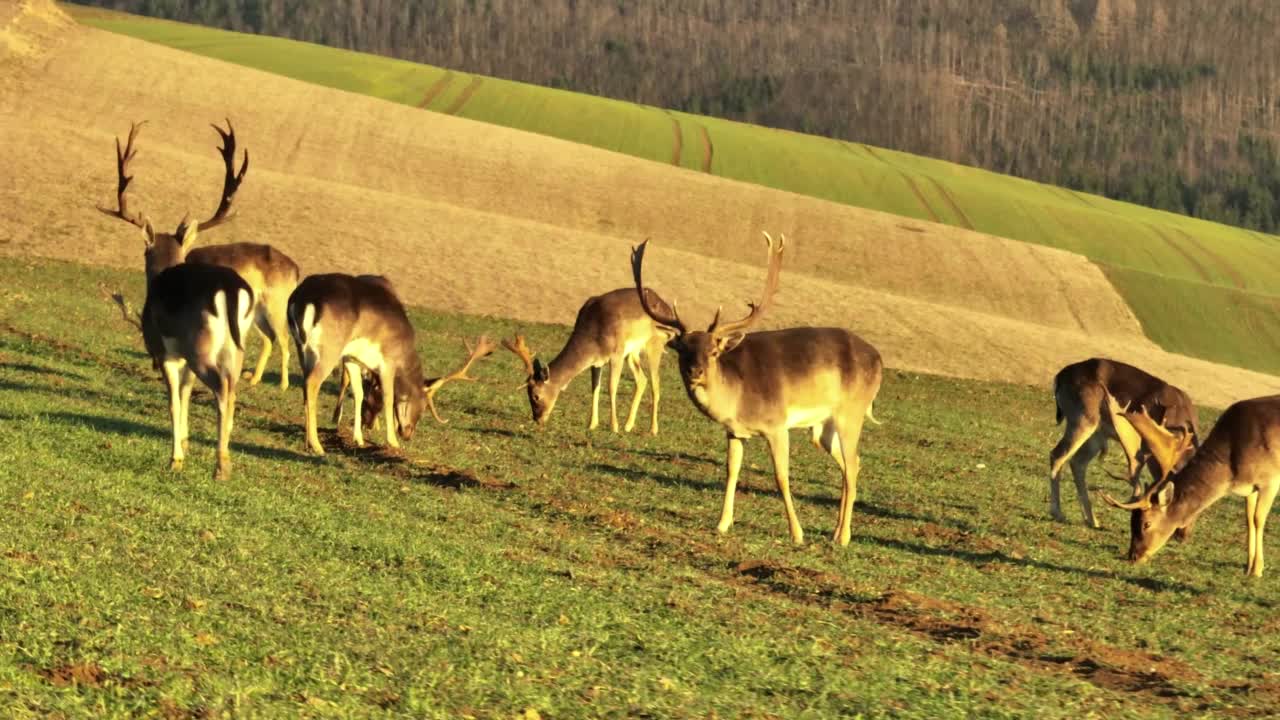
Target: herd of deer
201	302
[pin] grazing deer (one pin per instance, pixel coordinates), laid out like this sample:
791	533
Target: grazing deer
611	328
271	274
766	383
194	318
1079	391
372	407
1241	456
359	322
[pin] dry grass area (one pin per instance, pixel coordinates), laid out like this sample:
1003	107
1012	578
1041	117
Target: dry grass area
482	219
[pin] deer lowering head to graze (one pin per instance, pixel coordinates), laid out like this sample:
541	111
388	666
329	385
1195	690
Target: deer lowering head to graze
1241	456
766	383
271	274
360	323
194	318
1079	391
611	328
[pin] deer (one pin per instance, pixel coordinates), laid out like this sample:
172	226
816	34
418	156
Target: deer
337	318
765	383
1079	390
611	328
271	274
371	409
195	315
1241	456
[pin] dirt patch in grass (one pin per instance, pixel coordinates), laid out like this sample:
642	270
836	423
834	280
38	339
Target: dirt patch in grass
436	88
677	140
708	150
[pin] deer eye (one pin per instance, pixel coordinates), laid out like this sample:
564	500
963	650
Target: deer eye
1146	525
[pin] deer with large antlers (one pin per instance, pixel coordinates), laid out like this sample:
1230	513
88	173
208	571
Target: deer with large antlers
1241	456
360	323
767	383
612	328
1079	390
271	274
195	315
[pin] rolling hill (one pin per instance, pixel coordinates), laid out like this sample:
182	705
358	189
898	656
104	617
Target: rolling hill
1171	270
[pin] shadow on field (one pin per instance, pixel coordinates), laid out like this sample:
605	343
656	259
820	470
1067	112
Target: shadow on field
41	370
986	557
79	393
128	428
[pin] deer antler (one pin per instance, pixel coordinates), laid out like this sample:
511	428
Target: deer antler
770	288
231	181
123	178
131	316
483	348
522	351
671	320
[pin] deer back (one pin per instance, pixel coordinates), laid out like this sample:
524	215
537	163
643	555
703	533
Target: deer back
189	306
265	268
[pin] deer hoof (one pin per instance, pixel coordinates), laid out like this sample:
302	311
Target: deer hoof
175	465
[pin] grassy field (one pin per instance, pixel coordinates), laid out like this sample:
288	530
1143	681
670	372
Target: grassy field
1182	262
495	570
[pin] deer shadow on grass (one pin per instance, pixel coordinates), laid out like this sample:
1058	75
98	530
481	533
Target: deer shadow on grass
75	392
987	557
42	370
129	428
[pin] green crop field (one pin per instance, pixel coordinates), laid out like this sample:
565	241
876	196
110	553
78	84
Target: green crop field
497	570
1181	262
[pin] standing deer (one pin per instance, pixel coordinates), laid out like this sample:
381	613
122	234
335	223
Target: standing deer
611	328
1079	391
271	274
360	323
766	383
194	317
1241	456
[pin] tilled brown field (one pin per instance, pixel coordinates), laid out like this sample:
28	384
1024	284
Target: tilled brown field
482	219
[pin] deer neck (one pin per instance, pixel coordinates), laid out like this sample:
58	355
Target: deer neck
574	357
1203	482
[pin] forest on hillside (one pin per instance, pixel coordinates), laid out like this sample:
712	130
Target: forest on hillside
1166	103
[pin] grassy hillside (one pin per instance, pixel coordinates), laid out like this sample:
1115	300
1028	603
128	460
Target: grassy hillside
496	569
1182	262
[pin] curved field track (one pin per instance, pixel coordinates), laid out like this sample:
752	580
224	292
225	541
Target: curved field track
482	219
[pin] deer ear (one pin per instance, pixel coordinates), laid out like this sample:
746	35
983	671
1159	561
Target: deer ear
725	343
540	372
189	234
1165	496
148	232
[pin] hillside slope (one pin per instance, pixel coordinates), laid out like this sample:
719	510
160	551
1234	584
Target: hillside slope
1162	261
476	218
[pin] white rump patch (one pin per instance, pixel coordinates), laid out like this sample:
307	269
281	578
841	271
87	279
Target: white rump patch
366	353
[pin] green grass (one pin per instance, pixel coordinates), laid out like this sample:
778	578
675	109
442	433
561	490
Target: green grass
1185	263
494	568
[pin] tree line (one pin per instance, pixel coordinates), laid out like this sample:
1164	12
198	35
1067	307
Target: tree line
1166	103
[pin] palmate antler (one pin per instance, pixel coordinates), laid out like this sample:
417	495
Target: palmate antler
483	348
770	289
123	178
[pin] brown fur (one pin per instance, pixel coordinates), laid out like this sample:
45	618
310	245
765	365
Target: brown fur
1079	392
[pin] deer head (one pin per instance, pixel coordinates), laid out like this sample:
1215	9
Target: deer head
699	351
164	250
542	392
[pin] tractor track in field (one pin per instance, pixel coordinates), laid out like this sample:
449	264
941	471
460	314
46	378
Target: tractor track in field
708	150
677	147
1201	270
436	88
915	189
1227	268
456	106
965	222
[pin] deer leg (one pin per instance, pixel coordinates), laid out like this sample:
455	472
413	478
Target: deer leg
344	381
1079	472
827	440
642	383
615	376
224	390
731	485
387	376
1078	431
654	352
1265	498
310	395
278	321
261	366
1250	519
780	448
187	383
351	372
846	444
173	370
595	399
